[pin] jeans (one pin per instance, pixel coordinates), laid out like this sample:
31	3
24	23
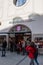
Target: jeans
23	50
36	61
3	51
32	62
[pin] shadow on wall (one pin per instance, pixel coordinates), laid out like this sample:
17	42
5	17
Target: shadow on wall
35	16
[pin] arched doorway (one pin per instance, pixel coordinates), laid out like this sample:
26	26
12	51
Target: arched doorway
20	32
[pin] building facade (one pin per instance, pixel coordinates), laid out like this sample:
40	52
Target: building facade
25	18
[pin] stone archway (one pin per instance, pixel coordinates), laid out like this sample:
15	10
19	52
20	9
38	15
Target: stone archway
20	30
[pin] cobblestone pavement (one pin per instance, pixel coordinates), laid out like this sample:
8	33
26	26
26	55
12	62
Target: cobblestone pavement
14	58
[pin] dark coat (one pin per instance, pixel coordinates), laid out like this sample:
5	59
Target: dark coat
36	52
4	44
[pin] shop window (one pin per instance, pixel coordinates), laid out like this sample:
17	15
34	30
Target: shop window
40	41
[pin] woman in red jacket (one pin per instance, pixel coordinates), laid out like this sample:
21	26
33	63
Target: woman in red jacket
31	51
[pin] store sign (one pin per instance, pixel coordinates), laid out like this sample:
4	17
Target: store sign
18	28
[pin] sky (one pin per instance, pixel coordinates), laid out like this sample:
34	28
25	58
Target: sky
20	2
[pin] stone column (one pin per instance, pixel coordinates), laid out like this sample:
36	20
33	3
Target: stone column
7	39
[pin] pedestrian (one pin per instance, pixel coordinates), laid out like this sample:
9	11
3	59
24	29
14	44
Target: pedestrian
23	46
18	47
31	51
36	55
11	45
4	45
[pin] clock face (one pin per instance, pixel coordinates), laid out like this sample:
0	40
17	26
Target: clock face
19	2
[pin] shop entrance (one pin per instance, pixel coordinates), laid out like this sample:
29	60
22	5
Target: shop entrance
19	33
19	37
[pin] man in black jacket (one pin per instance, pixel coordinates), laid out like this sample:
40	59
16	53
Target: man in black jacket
4	45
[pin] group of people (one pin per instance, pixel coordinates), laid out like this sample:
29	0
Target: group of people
20	47
31	50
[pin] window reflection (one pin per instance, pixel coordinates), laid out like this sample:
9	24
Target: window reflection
19	2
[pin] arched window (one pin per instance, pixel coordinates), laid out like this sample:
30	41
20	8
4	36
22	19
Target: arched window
19	2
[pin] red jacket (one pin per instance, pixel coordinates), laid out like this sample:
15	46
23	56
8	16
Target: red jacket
31	51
